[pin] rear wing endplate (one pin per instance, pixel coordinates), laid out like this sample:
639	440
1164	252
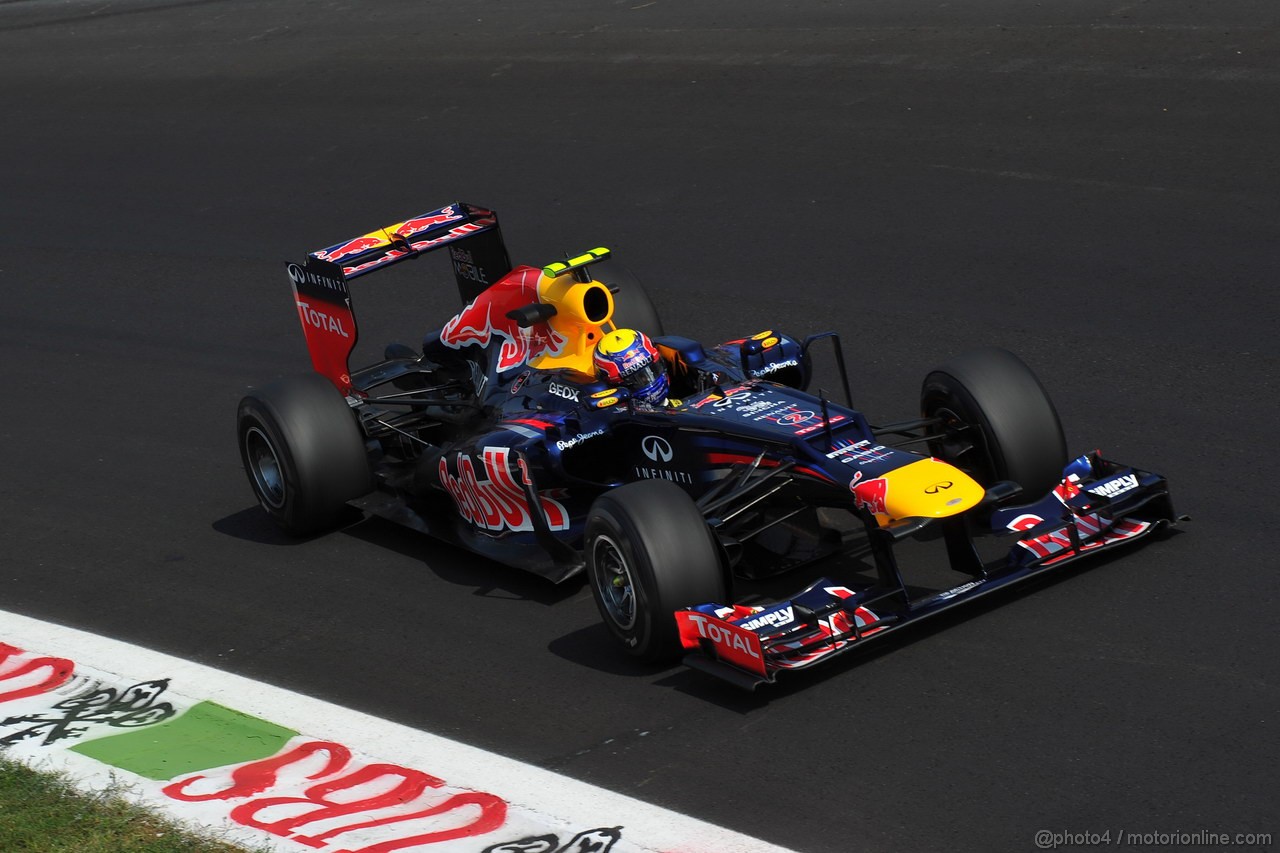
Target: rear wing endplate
320	284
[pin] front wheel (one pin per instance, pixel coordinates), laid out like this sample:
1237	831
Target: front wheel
649	553
303	452
1000	422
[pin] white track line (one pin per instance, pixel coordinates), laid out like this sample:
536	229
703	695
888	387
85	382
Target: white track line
539	802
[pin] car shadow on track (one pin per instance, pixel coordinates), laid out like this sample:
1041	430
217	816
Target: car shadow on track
463	568
452	564
596	648
253	525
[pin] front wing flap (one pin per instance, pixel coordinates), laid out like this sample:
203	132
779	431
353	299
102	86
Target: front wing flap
1098	504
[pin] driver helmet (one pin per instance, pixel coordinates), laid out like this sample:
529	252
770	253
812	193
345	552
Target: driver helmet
630	359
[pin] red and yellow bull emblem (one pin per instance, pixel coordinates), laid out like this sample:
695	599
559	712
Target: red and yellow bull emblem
485	320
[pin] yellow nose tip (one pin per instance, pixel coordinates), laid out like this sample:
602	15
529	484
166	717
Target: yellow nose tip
929	488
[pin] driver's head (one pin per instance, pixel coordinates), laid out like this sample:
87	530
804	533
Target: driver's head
628	358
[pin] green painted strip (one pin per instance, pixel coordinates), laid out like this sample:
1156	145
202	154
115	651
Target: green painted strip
208	735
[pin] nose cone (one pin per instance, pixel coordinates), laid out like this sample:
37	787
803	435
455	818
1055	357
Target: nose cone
928	488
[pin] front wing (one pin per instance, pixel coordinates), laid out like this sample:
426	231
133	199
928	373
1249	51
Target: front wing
1097	506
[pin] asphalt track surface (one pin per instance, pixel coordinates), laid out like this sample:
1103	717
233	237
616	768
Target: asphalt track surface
1094	185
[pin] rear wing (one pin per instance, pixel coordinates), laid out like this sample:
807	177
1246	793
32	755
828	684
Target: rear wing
320	284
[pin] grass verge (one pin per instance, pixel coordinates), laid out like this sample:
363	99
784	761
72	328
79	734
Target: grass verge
44	813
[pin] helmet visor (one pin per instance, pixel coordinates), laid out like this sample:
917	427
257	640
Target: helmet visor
644	377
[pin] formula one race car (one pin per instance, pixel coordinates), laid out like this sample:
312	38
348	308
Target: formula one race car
500	437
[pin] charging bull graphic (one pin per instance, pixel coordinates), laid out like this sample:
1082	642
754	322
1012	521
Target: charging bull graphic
486	318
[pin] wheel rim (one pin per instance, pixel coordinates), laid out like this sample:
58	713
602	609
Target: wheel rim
264	467
614	582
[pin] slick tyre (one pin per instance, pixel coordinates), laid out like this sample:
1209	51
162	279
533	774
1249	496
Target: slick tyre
650	553
632	307
1000	422
303	452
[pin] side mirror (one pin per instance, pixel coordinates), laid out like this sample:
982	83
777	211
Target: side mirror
532	314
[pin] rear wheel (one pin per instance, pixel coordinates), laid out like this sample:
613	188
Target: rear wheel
1000	422
303	452
632	307
650	553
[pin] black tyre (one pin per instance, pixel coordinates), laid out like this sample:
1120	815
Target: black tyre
632	307
650	553
303	452
1001	423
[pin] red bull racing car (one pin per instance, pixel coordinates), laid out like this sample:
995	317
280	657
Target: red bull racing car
498	435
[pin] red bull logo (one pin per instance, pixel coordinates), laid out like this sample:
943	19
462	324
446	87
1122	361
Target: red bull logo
422	223
486	319
379	261
870	495
498	502
464	230
638	361
352	247
402	230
